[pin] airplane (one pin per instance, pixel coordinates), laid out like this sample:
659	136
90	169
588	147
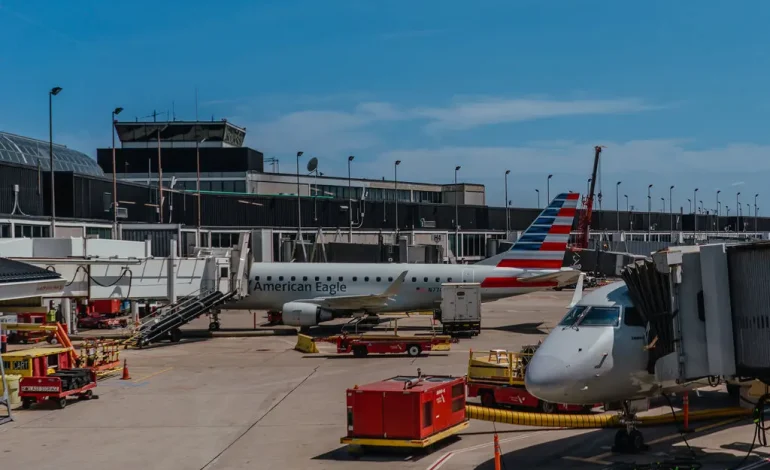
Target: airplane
306	294
598	353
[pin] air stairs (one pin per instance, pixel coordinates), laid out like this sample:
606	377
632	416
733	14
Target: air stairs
220	284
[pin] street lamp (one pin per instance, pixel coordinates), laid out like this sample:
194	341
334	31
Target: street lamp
538	198
350	203
737	212
671	210
507	224
755	212
457	222
548	188
649	209
617	203
395	185
663	202
628	214
54	91
694	215
115	112
718	211
299	207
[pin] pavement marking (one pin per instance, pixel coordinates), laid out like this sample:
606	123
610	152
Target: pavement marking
754	465
598	459
141	379
448	455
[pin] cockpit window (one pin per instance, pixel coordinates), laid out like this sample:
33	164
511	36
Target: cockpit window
572	315
601	316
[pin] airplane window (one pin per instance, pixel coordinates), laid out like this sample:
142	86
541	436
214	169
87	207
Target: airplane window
572	315
256	278
293	278
340	278
390	279
601	316
366	279
449	279
425	279
379	279
269	278
280	278
631	317
438	279
317	278
328	278
304	278
355	278
414	279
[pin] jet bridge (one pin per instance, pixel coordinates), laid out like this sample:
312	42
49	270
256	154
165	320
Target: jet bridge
707	310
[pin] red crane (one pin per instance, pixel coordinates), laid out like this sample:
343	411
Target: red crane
584	224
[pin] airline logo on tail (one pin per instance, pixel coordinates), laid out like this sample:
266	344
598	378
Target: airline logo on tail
543	244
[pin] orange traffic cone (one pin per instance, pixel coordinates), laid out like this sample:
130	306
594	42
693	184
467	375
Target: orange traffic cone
497	453
126	375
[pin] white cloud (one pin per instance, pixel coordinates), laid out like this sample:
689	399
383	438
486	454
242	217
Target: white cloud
467	115
738	183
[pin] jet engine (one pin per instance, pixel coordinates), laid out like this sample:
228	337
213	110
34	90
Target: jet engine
304	314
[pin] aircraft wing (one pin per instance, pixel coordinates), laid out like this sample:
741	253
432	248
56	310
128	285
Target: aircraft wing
356	302
562	277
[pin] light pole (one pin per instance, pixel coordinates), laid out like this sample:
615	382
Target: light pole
649	209
755	212
671	210
54	91
507	224
694	215
538	198
299	207
115	112
718	212
617	203
350	203
548	189
395	185
663	204
737	212
457	221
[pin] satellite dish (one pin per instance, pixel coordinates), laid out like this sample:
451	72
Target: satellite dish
312	164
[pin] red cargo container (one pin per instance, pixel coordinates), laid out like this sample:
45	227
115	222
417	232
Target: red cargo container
106	306
406	411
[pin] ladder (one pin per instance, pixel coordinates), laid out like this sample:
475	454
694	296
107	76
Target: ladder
5	400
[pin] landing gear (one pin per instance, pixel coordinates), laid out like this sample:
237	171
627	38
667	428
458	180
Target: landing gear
629	440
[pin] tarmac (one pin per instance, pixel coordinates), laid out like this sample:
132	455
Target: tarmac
256	403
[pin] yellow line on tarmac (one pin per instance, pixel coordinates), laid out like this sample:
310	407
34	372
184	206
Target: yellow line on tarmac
141	379
597	459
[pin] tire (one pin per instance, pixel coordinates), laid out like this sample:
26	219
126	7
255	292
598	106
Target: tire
176	335
61	402
360	351
26	403
636	441
622	441
413	350
547	407
488	399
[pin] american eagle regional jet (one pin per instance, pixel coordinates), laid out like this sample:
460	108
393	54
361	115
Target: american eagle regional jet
307	294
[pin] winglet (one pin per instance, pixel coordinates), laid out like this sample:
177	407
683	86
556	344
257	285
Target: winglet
578	292
396	285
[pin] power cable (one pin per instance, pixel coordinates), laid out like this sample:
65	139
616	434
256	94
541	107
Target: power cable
760	430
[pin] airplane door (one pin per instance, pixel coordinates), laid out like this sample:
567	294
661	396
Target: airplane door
467	275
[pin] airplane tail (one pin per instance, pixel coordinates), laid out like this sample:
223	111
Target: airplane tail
543	244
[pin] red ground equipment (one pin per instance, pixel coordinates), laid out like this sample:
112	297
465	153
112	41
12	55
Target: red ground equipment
584	223
361	345
406	411
498	378
58	386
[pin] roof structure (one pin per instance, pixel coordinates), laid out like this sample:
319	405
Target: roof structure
32	152
16	271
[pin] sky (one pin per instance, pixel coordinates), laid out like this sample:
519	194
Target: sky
676	92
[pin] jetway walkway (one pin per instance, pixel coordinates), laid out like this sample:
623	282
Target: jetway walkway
707	310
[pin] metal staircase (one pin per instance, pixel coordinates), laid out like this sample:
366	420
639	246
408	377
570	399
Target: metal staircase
166	324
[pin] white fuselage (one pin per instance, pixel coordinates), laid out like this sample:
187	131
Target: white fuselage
271	285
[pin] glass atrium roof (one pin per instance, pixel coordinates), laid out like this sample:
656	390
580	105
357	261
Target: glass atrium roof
31	152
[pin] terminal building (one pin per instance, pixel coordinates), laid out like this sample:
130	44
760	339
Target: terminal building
241	190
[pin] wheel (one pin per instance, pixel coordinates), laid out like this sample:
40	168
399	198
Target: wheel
360	351
61	402
622	441
87	395
176	335
413	350
547	407
26	403
636	441
488	399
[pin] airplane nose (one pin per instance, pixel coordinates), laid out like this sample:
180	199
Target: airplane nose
546	378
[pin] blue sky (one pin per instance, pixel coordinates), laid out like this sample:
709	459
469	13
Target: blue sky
676	91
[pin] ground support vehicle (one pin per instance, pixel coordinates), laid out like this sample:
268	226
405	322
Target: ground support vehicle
362	345
58	387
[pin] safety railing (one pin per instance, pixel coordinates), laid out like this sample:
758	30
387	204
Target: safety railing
498	365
